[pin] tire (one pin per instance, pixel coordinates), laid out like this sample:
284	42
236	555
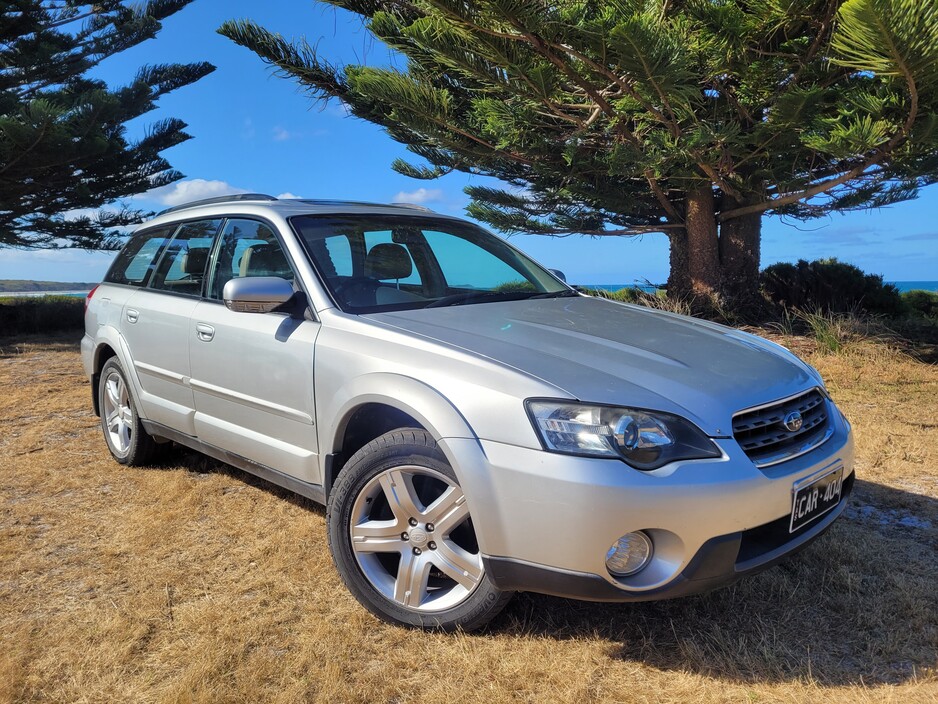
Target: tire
128	442
409	556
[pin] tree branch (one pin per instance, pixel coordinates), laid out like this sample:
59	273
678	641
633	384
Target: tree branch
626	232
541	46
718	180
666	204
880	153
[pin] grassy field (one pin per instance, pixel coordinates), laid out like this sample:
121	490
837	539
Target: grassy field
193	582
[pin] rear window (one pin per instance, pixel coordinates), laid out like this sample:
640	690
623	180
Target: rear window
182	266
135	263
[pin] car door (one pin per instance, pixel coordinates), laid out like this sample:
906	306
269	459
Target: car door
251	373
155	322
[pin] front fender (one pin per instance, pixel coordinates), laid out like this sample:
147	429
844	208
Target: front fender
415	398
435	413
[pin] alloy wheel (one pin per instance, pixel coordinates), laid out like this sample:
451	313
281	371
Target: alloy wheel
412	537
118	414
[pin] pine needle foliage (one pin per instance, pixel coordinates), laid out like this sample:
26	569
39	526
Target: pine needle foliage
606	117
63	143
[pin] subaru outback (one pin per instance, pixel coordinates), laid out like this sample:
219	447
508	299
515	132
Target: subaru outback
473	425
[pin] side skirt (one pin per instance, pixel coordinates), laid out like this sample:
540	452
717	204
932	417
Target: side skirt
314	492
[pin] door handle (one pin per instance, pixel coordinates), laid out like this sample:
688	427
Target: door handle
204	332
132	315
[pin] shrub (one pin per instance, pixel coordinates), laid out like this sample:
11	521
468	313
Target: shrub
924	303
43	314
515	287
632	294
830	285
629	294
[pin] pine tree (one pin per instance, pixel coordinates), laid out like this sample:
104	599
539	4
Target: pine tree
63	143
694	118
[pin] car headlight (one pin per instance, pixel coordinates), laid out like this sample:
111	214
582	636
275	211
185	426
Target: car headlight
644	439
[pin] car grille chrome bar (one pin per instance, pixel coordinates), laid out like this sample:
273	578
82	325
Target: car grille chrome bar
762	434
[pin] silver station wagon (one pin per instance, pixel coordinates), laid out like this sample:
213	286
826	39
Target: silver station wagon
474	426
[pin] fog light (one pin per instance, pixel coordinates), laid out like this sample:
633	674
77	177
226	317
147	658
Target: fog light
630	554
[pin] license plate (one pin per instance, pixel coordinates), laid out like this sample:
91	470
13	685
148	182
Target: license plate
815	498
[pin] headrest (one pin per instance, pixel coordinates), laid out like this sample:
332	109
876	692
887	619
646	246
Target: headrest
388	261
194	259
265	260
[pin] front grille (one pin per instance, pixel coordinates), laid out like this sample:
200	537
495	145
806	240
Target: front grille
763	436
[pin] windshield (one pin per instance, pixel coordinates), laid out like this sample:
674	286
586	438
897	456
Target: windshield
373	263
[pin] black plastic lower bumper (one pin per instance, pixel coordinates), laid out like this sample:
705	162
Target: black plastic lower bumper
719	562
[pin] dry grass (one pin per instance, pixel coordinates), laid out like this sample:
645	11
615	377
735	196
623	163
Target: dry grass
192	582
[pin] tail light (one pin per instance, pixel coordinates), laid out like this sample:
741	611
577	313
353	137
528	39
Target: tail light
88	297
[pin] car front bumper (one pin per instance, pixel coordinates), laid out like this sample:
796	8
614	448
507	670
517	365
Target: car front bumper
544	521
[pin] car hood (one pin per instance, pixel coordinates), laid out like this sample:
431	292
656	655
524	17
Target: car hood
601	351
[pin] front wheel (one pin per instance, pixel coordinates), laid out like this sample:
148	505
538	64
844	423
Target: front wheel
402	537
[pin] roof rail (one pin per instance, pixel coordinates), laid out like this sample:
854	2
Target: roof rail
413	206
219	199
408	206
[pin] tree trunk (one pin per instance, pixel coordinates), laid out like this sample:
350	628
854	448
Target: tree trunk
703	262
679	276
740	251
710	268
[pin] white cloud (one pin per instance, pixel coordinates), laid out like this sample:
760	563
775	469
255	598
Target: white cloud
421	195
281	134
248	131
337	108
287	196
187	191
80	213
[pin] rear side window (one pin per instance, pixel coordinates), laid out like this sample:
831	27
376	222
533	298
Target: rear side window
182	267
136	262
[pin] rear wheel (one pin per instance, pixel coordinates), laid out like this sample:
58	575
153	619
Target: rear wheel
128	442
403	540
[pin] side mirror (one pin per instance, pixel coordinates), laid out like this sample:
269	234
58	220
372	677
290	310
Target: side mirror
257	294
559	274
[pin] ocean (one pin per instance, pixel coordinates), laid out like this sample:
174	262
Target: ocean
915	285
40	294
903	286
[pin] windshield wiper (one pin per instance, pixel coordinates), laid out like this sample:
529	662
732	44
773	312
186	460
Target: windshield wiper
458	299
563	293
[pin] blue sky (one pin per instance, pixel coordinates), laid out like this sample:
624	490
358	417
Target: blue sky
256	132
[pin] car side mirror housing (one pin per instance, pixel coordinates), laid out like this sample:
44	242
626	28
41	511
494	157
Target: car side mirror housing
257	294
559	274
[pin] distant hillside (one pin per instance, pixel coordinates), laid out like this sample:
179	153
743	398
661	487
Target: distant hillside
21	286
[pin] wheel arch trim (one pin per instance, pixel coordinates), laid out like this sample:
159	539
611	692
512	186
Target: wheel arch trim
108	336
429	407
423	403
435	413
